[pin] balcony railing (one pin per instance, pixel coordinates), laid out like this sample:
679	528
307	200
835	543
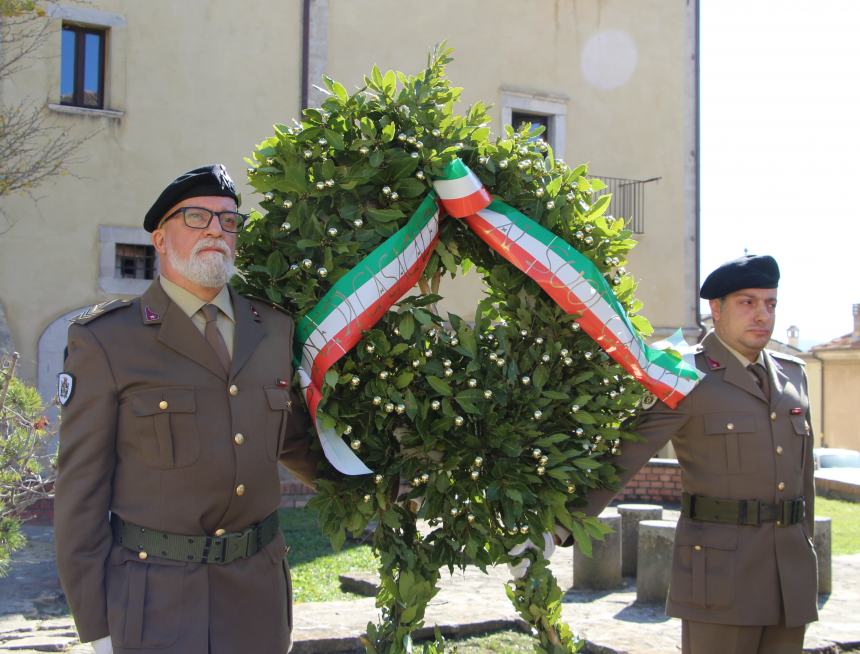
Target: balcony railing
628	199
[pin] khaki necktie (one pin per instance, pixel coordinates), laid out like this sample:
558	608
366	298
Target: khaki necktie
213	335
761	379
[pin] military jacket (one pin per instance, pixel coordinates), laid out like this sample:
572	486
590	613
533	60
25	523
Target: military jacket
732	443
155	431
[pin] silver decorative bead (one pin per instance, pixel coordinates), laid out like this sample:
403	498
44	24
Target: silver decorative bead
367	498
363	149
394	195
525	380
589	240
545	358
575	326
579	431
370	348
285	226
570	196
503	163
320	186
322	142
539	340
458	420
410	139
543	460
308	154
377	401
435	404
307	263
428	353
358	222
401	136
588	356
348	430
568	361
472	383
419	174
446	363
389	407
455	342
386	190
287	204
541	470
493	356
500	362
536	453
354	382
268	196
329	183
571	489
538	414
322	272
539	192
454	512
400	408
524	333
478	461
564	352
470	517
588	229
436	132
356	444
383	374
414	155
416	363
474	474
578	234
448	372
574	408
550	205
524	529
377	479
488	394
425	477
482	160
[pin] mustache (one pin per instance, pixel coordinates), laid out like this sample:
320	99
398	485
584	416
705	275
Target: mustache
207	243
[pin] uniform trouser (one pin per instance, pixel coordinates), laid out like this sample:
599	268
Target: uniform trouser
705	638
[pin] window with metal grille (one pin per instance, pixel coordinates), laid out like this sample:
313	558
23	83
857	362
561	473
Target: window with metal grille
134	261
520	117
82	66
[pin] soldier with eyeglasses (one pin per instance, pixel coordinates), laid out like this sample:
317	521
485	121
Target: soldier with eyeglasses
177	409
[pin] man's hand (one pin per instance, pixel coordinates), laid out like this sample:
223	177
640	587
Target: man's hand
102	646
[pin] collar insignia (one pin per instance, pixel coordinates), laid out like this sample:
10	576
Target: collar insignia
283	383
713	364
796	411
255	313
150	314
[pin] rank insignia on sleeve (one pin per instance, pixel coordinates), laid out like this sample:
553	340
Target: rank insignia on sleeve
65	387
648	400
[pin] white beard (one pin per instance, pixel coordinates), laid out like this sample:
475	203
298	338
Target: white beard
210	270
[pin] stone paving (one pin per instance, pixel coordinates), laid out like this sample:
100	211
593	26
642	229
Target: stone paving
34	618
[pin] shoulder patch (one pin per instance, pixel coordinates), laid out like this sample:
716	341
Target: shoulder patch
787	357
100	309
65	387
649	400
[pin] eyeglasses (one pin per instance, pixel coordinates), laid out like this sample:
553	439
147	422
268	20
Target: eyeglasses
200	218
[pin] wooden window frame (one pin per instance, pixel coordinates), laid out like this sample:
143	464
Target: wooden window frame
80	32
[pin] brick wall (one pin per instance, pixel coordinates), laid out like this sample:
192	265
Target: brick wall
658	482
294	494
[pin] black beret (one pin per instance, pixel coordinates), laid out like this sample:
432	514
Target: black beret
750	271
208	180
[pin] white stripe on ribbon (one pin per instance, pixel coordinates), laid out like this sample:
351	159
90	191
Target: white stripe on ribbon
367	294
585	292
455	189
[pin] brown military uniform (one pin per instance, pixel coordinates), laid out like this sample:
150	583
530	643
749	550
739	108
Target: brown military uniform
732	443
158	434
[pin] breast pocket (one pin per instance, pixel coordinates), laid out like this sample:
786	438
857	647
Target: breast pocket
164	427
703	568
280	406
732	440
800	441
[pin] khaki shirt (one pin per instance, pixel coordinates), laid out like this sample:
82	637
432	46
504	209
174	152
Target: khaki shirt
191	305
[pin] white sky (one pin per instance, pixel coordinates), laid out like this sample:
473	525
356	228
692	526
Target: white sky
780	151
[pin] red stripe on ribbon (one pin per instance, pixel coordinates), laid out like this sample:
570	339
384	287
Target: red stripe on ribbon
466	206
342	342
567	300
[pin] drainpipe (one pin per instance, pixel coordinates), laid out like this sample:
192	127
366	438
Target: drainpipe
697	54
306	37
823	411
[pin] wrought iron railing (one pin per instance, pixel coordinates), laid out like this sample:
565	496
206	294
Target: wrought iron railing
628	199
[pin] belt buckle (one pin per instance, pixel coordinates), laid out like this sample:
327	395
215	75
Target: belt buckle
753	511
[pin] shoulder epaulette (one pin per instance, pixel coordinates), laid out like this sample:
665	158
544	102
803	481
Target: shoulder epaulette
787	357
98	310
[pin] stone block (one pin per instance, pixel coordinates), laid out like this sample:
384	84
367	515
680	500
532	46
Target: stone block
603	569
822	543
631	516
655	548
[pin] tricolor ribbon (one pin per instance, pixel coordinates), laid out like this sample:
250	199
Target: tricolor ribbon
357	301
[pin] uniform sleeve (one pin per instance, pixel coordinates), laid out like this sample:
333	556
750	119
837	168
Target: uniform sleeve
86	461
296	453
809	472
656	426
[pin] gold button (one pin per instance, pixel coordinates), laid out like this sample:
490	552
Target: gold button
730	426
779	449
240	490
142	556
220	532
238	439
233	390
162	405
698	548
781	486
773	415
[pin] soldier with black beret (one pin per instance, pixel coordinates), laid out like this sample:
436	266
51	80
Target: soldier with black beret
744	572
177	409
